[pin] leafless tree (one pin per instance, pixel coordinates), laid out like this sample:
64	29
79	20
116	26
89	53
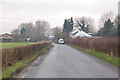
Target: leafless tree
28	29
86	24
15	32
41	28
57	32
37	32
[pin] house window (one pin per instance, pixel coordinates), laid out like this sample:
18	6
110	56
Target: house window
75	33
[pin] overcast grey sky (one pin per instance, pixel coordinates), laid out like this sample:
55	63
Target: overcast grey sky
15	12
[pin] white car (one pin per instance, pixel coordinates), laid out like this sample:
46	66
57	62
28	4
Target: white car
61	41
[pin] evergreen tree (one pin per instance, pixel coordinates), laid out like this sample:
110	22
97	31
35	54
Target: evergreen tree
106	30
68	25
23	31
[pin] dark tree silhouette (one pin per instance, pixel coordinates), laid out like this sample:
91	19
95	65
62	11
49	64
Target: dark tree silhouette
68	25
106	29
22	31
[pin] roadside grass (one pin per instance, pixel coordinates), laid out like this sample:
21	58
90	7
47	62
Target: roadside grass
103	56
7	73
9	45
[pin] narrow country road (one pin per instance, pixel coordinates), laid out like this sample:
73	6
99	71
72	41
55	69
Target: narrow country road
66	62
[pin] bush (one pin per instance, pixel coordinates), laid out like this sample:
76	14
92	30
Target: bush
106	45
12	55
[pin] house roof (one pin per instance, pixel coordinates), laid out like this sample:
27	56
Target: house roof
5	34
79	33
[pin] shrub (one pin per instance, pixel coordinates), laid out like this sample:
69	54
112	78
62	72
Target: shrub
106	45
12	55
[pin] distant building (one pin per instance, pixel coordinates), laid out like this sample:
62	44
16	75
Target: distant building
51	38
77	32
6	37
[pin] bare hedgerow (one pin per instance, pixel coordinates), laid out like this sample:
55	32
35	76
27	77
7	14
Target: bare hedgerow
11	55
108	45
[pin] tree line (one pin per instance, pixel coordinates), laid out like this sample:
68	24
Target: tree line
40	30
36	32
108	26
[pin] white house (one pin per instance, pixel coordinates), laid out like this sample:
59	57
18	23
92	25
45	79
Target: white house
77	32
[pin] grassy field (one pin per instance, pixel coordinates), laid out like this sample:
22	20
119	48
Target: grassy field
9	45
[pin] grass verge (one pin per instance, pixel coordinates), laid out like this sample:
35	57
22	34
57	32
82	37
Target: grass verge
7	73
103	56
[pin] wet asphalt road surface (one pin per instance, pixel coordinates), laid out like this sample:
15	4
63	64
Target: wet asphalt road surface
66	62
